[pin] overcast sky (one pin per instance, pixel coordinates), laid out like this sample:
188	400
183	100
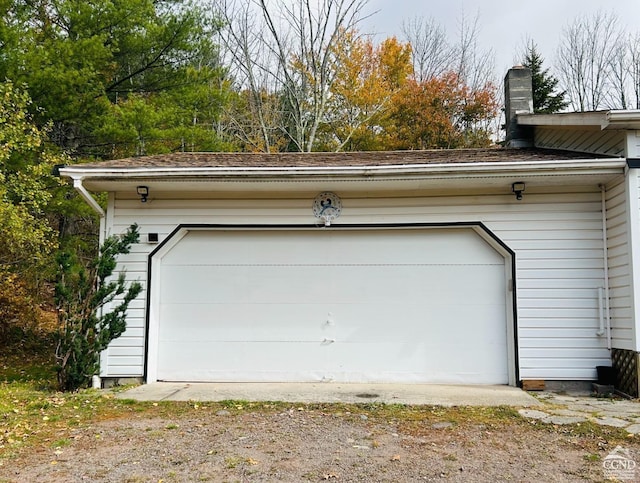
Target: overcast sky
504	24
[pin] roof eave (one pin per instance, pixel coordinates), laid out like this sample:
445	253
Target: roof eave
603	120
77	172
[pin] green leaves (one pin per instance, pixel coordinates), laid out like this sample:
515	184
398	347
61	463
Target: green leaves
26	238
98	71
17	132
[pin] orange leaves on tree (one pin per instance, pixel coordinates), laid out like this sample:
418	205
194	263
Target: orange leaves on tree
374	101
366	80
395	62
441	112
378	104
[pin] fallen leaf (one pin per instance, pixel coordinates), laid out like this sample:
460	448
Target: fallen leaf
395	457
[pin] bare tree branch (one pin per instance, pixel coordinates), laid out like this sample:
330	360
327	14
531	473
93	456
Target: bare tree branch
431	53
584	60
290	46
634	67
474	67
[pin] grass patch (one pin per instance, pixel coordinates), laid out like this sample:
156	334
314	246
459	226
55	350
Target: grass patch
34	413
37	365
30	414
592	457
61	443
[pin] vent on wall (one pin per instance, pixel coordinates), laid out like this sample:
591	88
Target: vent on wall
152	238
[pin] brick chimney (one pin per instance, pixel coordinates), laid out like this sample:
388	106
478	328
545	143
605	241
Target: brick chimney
518	99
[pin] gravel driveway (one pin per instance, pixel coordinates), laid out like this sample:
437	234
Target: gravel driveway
342	443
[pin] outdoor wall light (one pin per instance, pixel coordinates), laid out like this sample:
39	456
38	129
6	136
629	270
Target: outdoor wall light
143	192
518	189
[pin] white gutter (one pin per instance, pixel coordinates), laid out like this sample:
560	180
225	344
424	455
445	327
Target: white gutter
96	381
600	332
607	309
77	184
79	172
619	115
604	309
610	119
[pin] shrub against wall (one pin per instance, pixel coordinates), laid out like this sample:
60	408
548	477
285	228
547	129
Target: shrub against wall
92	308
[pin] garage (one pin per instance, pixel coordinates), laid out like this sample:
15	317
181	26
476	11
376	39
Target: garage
419	305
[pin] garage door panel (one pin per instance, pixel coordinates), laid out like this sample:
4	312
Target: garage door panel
406	284
236	322
343	362
250	361
441	323
354	306
346	322
430	362
307	284
236	284
193	284
445	246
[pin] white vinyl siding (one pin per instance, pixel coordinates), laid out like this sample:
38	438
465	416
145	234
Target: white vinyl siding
633	188
557	238
633	144
621	309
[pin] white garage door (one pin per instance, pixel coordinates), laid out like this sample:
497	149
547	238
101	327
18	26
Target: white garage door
369	305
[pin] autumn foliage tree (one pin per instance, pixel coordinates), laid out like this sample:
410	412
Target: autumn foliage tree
441	112
363	91
378	103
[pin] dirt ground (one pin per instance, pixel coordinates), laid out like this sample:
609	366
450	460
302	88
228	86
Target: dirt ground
306	443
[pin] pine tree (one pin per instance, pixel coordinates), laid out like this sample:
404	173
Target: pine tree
545	98
92	309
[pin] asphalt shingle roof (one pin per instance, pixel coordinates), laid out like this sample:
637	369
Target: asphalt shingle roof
317	159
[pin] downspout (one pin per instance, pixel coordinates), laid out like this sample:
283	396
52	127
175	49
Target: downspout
77	184
607	312
91	201
96	381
